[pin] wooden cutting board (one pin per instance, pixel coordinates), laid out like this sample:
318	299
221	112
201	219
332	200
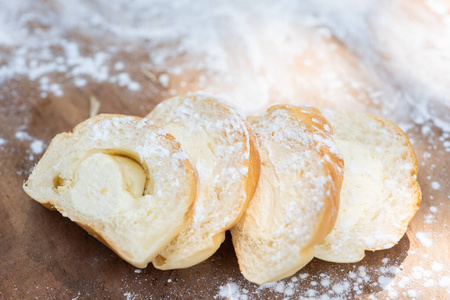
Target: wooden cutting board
45	255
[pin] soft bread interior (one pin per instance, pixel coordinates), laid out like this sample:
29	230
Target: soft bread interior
296	202
380	193
223	149
123	179
106	185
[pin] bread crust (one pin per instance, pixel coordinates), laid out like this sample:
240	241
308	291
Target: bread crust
335	165
272	247
158	153
347	245
254	170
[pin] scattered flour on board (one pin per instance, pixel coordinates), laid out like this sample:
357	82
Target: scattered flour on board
164	79
230	291
433	209
444	281
424	239
387	275
203	36
266	40
437	267
130	296
435	185
37	146
23	136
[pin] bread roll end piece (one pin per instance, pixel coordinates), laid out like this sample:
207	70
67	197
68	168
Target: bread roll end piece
380	193
297	198
123	179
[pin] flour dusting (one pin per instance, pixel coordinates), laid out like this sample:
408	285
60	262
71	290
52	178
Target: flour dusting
321	53
424	239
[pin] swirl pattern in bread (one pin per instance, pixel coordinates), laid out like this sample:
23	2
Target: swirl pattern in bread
123	179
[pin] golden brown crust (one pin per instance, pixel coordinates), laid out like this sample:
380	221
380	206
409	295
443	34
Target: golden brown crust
254	169
315	124
267	240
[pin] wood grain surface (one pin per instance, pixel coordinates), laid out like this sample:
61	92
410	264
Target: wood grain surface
46	256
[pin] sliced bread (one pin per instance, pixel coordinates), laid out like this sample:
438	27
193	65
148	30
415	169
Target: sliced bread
223	149
380	193
123	179
297	199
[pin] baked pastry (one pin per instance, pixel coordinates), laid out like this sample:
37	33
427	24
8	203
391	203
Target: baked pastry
223	149
296	202
123	179
380	193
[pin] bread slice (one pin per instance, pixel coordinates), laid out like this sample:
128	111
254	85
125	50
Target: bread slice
296	202
380	193
223	148
123	179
